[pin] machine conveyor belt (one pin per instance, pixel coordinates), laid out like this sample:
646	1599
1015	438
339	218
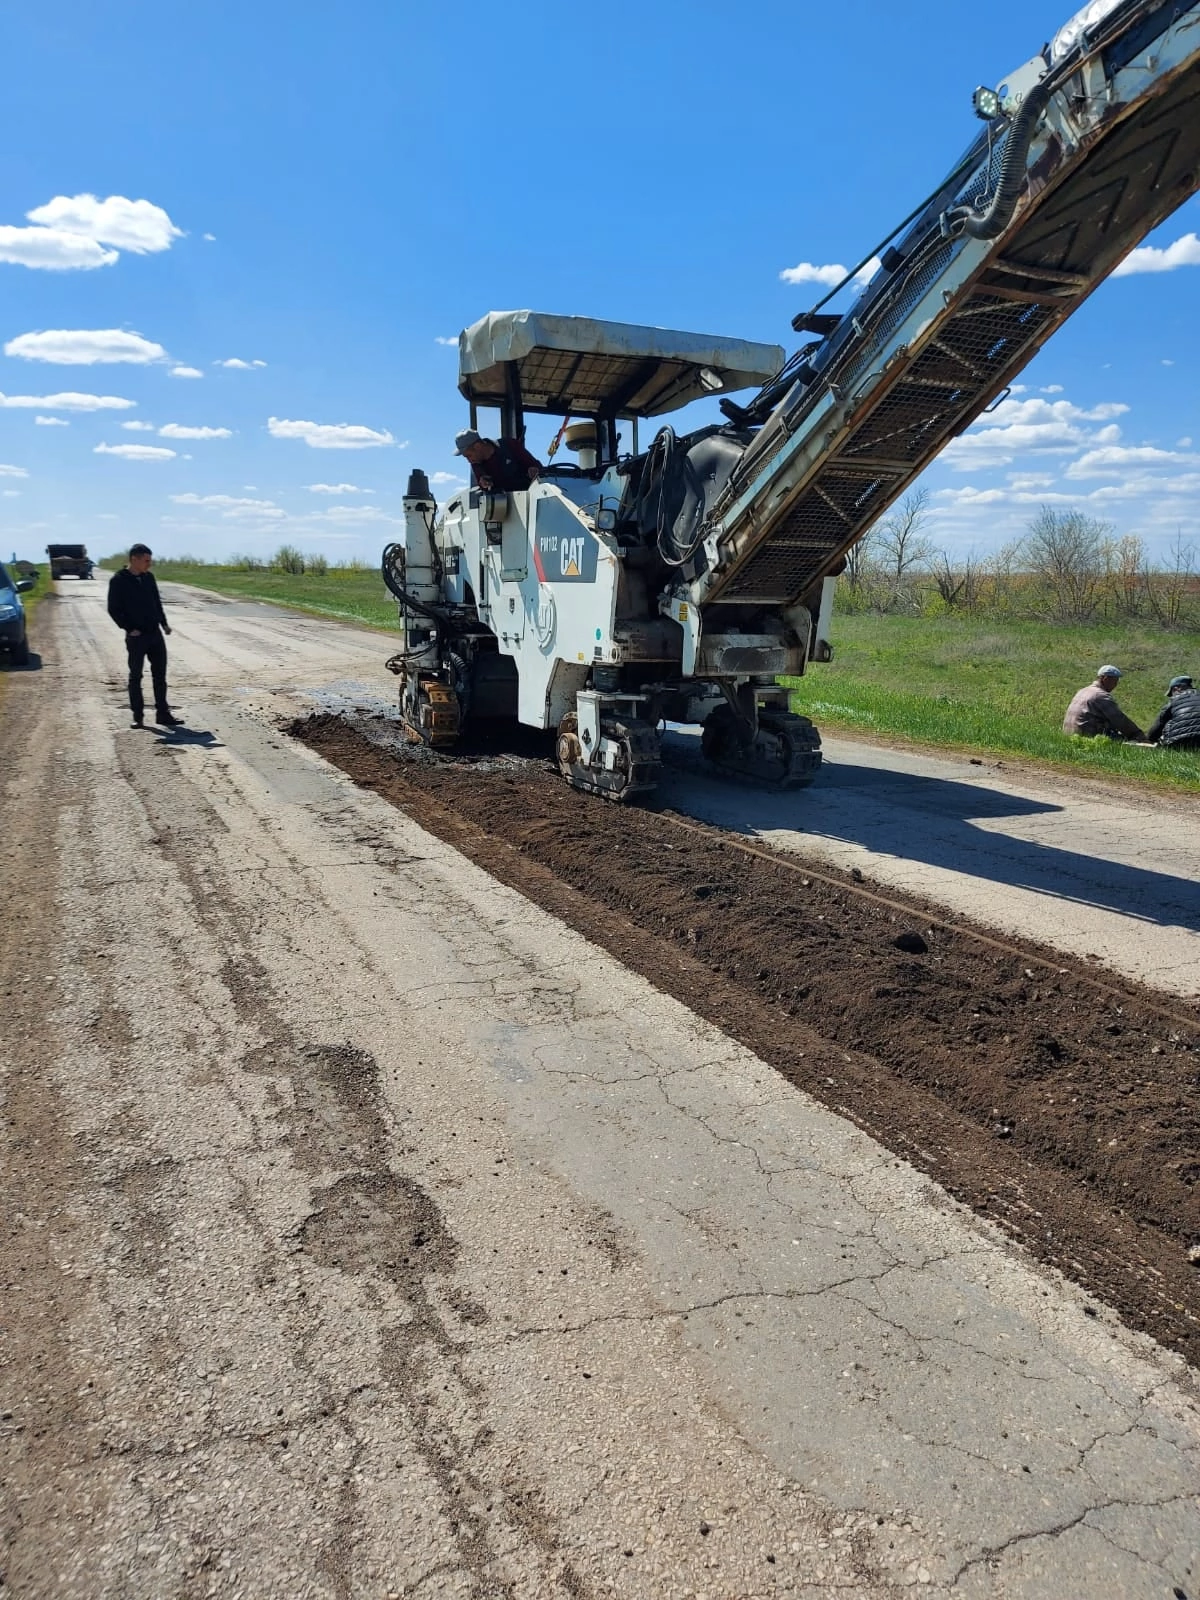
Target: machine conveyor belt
1131	174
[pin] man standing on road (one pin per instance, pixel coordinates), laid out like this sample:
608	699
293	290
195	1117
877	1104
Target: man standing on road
1177	725
1093	712
134	604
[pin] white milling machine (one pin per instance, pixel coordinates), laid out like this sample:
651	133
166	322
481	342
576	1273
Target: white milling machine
681	583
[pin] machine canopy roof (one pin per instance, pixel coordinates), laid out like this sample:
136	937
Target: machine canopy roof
587	368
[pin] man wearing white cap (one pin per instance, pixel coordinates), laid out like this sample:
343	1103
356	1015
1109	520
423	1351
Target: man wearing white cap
1094	713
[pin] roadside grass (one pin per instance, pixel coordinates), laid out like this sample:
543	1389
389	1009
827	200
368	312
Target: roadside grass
33	598
999	689
345	593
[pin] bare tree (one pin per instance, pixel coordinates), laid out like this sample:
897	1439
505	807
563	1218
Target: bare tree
903	549
1063	551
1168	589
859	559
958	583
1123	561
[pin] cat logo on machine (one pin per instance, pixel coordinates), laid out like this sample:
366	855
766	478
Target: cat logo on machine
566	558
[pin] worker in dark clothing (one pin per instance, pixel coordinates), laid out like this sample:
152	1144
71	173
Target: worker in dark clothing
497	463
135	606
1177	725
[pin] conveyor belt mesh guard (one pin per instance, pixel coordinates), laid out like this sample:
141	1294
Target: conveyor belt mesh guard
942	386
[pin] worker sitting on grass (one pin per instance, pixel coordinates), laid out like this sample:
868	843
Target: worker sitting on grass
503	464
1094	713
1177	725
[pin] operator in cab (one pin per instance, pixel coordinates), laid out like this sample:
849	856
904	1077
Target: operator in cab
502	464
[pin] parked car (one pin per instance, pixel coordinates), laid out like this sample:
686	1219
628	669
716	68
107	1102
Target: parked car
13	637
69	560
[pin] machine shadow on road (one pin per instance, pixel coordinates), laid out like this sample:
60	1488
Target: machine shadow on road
8	665
936	821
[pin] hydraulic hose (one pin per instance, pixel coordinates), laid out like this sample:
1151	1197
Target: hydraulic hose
393	556
992	223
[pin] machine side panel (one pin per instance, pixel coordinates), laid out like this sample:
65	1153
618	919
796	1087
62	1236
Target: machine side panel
550	586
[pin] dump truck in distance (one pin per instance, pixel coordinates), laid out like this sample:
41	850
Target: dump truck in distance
70	561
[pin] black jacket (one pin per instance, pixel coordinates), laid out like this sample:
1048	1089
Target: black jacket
133	601
1178	722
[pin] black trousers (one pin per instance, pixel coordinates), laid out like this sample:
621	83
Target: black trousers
149	645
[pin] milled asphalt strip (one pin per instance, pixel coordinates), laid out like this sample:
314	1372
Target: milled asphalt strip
666	1289
1077	866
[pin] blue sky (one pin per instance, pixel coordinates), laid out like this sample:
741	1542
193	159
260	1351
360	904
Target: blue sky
322	194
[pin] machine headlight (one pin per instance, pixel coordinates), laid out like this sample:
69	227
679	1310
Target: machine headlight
987	104
7	612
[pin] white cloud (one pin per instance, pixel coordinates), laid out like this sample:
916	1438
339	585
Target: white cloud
446	477
52	422
1184	444
1031	427
12	472
186	372
1040	412
12	494
439	339
336	488
135	452
80	232
1184	252
133	225
971	496
330	435
239	365
1053	388
829	276
231	505
210	238
1095	463
357	514
83	347
66	402
1000	447
179	430
139	427
52	250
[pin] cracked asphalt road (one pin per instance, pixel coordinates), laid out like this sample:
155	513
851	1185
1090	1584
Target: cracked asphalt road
368	1232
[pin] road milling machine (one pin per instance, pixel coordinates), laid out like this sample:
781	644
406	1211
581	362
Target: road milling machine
682	581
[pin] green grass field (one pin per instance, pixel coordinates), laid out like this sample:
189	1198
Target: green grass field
349	595
999	688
